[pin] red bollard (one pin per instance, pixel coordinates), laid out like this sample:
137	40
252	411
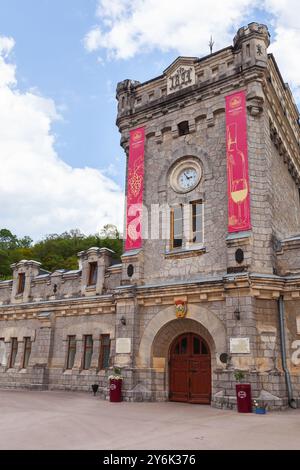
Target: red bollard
243	396
115	390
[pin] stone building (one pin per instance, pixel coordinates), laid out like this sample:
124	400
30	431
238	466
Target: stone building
181	314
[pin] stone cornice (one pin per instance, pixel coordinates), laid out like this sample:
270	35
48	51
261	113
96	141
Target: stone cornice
271	287
292	243
114	269
208	289
6	284
284	88
62	307
291	158
284	128
189	96
26	264
213	289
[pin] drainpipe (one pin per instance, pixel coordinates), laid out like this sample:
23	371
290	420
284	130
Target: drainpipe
291	400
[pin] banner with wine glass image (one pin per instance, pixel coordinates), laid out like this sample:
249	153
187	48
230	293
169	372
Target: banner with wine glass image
237	163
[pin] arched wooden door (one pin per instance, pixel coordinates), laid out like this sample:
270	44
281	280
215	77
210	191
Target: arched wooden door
190	370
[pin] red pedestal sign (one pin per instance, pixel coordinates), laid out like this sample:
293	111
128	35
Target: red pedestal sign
115	390
243	396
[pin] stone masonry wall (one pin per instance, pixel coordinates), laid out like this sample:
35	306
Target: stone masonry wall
285	199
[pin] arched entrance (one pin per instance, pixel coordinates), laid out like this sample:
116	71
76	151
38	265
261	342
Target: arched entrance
190	369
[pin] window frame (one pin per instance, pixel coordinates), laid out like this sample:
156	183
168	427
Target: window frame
21	283
13	352
173	246
103	348
70	338
3	340
93	274
85	349
192	231
25	360
187	217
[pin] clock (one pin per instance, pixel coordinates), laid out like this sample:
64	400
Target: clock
188	178
186	175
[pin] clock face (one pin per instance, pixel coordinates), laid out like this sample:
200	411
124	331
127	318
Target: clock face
188	178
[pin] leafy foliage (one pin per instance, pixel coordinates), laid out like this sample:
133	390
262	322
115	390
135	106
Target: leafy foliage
55	251
239	375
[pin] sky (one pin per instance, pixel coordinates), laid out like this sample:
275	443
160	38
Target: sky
60	61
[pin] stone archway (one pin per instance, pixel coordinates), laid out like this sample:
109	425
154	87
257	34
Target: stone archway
164	327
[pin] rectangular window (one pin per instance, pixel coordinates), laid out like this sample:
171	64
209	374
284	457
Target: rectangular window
197	221
176	227
88	351
13	352
93	274
27	352
3	360
71	351
104	352
183	128
21	283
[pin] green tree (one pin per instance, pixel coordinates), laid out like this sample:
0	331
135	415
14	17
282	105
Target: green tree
25	242
5	270
8	241
55	251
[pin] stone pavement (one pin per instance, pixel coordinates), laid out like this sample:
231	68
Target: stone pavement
66	420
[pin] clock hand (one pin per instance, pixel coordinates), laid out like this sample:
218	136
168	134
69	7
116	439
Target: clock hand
188	177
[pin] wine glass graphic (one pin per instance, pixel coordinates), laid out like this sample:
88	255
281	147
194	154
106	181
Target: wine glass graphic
237	175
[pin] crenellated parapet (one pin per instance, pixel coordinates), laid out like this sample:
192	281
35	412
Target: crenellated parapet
96	275
191	81
251	43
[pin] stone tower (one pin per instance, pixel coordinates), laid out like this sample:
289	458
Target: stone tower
224	278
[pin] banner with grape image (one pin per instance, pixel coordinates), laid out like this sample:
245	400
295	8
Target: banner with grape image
135	187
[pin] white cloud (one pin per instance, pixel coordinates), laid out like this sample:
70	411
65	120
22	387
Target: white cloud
130	27
6	45
286	42
39	193
7	71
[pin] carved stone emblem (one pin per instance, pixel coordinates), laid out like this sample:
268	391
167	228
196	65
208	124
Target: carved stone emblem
183	77
180	308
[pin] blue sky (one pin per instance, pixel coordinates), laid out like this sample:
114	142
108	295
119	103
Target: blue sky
50	56
70	54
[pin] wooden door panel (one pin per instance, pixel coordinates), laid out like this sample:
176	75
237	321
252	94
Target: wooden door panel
200	380
179	387
179	379
190	370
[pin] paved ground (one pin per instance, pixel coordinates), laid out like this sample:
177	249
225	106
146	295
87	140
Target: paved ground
66	420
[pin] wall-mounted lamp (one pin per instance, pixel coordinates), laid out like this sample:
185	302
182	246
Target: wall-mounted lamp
123	320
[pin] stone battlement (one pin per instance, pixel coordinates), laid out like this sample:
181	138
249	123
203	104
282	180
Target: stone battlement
30	283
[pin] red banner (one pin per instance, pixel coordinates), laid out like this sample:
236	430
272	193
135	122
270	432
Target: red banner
135	187
237	163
